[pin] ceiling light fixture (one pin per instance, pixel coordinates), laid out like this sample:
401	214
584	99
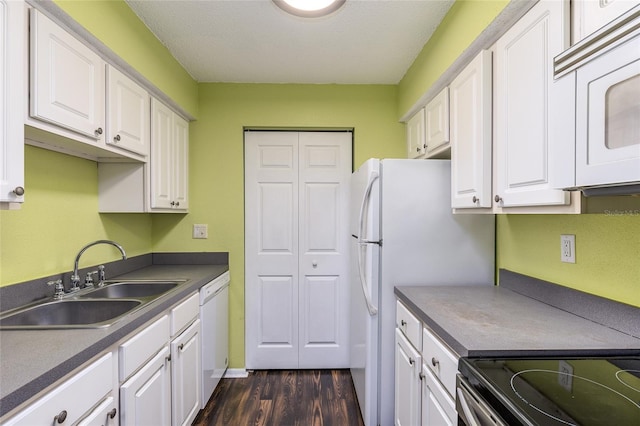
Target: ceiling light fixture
309	8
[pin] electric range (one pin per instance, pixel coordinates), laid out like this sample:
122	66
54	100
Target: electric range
542	391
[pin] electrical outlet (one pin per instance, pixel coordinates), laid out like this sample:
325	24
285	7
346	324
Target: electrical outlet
200	231
565	375
568	248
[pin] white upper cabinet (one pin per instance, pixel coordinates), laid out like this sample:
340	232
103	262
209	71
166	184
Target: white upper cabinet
11	102
169	159
470	95
589	16
416	142
67	80
437	125
525	95
128	113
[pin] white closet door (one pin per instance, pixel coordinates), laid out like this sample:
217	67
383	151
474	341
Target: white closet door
325	169
296	239
271	249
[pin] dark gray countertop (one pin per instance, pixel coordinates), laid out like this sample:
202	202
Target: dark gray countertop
479	321
31	360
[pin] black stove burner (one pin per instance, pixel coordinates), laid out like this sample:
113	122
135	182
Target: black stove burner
570	391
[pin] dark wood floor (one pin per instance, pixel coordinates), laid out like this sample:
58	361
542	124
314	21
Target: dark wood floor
283	398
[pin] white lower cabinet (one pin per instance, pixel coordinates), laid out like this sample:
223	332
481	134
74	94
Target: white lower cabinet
73	399
424	379
438	408
105	414
186	375
145	399
407	382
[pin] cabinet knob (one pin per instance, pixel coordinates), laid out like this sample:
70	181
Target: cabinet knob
167	358
403	323
314	263
417	149
421	375
116	138
411	361
497	198
424	146
18	190
112	414
475	199
173	203
98	131
434	362
60	418
181	346
177	203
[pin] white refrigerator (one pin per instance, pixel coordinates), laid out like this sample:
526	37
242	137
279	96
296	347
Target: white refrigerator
403	233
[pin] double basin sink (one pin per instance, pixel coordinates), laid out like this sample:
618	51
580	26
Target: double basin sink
89	308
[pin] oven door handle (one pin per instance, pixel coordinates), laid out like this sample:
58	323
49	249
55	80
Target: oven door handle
468	417
471	406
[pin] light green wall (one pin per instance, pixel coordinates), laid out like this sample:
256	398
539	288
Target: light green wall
463	23
115	24
607	251
216	161
59	217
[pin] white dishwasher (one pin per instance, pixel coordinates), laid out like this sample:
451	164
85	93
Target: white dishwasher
214	321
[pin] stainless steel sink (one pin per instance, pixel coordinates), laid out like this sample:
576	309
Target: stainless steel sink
126	289
73	313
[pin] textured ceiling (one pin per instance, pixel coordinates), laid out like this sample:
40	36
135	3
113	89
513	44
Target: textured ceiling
253	41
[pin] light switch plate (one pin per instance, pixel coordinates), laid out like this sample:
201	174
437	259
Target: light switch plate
200	231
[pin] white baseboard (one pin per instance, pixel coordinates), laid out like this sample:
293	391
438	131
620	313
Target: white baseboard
236	373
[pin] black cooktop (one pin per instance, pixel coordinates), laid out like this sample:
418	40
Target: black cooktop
559	391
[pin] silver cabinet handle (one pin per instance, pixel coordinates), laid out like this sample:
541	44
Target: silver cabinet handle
411	361
181	346
98	131
18	191
403	323
116	138
434	362
421	375
61	417
475	199
497	198
112	413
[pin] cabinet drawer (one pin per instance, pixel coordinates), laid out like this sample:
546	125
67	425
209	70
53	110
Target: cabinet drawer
409	324
74	398
440	360
184	313
135	351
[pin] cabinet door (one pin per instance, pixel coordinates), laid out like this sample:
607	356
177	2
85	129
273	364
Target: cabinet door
67	79
589	16
162	160
145	399
128	110
105	414
11	98
437	123
524	92
180	188
470	130
186	375
438	408
416	143
407	383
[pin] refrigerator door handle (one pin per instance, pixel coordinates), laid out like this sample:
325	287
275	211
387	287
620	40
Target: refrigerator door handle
362	244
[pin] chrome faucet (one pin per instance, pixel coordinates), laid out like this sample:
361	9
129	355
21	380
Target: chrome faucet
75	278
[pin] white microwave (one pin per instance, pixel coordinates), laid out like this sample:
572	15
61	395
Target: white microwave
605	71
